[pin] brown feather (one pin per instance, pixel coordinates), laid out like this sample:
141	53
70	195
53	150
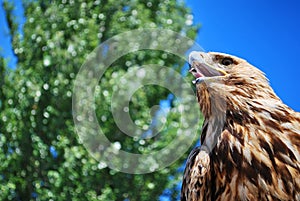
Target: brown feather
250	140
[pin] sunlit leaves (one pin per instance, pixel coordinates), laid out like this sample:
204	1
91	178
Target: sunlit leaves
40	153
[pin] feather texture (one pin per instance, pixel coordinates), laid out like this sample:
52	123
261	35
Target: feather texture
250	140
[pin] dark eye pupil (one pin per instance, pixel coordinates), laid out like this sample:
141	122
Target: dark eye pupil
227	61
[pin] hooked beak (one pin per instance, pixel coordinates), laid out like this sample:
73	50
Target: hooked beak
201	69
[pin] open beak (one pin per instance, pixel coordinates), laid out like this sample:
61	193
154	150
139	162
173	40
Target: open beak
201	69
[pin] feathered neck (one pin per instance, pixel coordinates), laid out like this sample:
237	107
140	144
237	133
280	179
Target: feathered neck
234	106
235	94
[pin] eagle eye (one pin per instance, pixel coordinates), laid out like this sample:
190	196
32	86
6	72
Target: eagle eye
227	61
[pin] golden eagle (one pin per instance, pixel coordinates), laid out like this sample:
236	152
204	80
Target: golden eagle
250	140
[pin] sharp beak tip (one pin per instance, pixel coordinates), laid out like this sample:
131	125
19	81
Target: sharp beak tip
194	56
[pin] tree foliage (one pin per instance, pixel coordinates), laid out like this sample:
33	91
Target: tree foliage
40	153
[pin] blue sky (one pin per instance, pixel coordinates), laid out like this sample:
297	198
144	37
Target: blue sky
266	33
4	31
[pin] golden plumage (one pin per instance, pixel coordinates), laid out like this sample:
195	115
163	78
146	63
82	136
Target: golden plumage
250	140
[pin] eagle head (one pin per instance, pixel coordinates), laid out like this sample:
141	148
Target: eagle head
227	82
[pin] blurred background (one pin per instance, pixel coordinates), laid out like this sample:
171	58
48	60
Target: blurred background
43	45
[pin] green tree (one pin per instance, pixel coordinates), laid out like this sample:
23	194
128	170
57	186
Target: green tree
41	155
